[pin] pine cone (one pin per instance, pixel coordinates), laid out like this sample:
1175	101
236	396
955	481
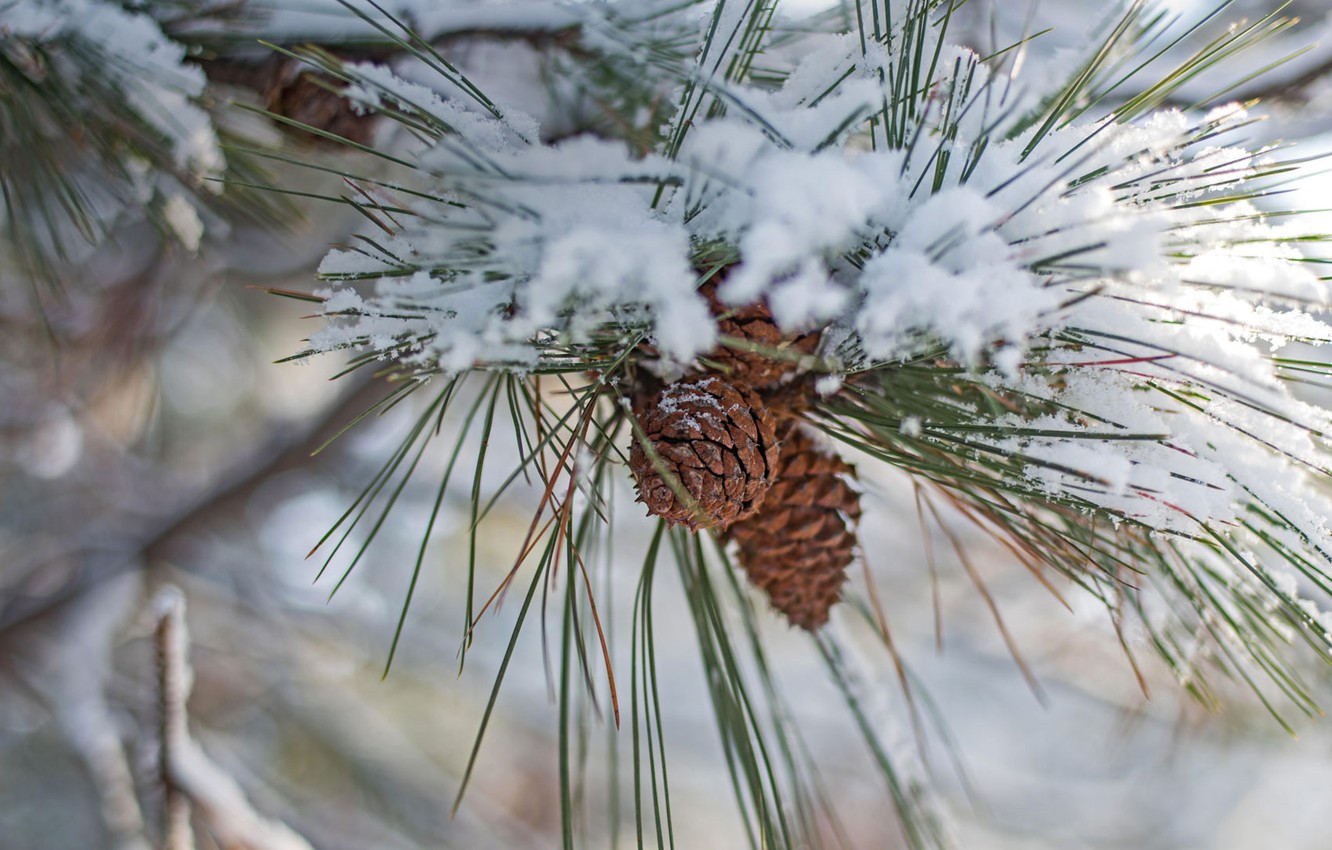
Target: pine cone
293	92
717	441
798	545
288	89
753	323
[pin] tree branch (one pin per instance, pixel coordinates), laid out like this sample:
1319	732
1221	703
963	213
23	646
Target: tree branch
189	776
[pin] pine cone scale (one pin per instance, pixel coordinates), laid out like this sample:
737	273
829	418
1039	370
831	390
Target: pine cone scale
716	441
797	547
751	339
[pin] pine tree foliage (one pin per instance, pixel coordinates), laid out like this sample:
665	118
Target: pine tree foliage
1060	304
109	115
98	114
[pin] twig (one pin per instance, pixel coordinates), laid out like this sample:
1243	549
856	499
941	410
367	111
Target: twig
189	776
173	688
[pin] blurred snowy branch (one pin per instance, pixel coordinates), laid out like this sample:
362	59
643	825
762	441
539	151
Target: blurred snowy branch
68	664
191	778
1289	72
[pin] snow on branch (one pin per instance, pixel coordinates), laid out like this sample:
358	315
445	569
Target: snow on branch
191	778
1073	293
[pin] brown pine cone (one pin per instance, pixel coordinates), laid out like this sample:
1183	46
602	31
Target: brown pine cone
288	89
753	323
294	93
717	441
799	544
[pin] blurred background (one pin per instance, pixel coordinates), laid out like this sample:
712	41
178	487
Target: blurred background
147	438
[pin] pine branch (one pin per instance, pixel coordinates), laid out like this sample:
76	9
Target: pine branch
1039	306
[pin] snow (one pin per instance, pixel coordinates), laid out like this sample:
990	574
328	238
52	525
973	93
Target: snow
1113	269
183	219
377	84
121	67
132	51
328	21
576	270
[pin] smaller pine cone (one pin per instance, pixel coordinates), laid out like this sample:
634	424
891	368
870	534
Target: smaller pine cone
798	546
288	90
292	92
754	323
717	441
